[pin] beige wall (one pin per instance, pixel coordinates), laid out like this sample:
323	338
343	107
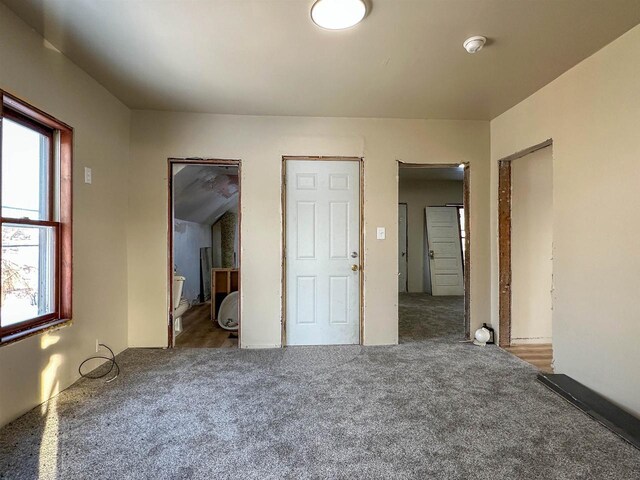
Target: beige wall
35	368
260	142
531	247
418	194
592	112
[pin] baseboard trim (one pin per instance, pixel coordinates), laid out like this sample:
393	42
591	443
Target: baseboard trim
620	422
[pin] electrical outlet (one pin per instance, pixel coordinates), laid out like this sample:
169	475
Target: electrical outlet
87	175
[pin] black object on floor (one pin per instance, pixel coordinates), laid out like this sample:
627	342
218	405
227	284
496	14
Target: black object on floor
99	371
596	406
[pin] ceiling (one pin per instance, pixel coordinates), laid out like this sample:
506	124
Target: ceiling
431	173
266	57
203	193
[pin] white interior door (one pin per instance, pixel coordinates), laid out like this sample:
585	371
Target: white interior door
445	251
402	247
322	252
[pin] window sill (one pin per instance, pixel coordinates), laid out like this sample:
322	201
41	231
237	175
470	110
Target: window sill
37	330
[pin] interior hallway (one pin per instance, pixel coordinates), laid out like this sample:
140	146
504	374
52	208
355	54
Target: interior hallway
424	317
431	407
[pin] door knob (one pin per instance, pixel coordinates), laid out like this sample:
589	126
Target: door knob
431	255
354	267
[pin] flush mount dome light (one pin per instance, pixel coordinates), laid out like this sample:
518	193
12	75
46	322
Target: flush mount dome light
474	44
338	14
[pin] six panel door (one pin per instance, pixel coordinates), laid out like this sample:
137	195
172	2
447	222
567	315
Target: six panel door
322	252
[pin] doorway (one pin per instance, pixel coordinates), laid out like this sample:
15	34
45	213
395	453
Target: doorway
204	253
525	256
435	302
322	239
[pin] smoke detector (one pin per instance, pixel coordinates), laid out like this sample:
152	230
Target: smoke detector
474	44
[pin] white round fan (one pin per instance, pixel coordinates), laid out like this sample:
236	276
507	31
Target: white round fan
228	313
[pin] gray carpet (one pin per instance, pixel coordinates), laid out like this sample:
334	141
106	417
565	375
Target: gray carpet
426	318
431	407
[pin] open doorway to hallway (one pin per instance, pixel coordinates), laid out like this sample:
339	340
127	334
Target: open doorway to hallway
433	252
204	253
526	251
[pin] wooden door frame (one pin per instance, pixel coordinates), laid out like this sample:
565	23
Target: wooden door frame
213	162
466	203
504	240
283	203
406	243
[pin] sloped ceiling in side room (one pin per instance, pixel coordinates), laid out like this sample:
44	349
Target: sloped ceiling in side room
203	193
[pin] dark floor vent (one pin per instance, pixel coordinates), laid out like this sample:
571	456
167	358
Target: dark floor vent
614	418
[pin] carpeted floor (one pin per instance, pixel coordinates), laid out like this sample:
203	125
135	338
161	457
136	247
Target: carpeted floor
431	407
426	318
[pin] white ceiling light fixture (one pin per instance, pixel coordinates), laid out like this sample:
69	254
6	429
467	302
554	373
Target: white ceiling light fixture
338	14
474	44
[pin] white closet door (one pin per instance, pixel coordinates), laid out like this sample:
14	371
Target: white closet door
322	252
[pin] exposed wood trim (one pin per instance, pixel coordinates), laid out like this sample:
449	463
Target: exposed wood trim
32	112
333	159
466	185
30	324
428	165
28	221
240	323
59	213
523	153
170	339
283	202
504	240
504	251
46	327
204	161
199	161
22	119
361	258
65	211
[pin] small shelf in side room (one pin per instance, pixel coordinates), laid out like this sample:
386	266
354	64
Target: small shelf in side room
223	282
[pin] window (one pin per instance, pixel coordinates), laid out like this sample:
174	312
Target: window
35	193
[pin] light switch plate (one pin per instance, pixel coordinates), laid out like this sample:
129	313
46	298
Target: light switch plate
381	233
87	175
